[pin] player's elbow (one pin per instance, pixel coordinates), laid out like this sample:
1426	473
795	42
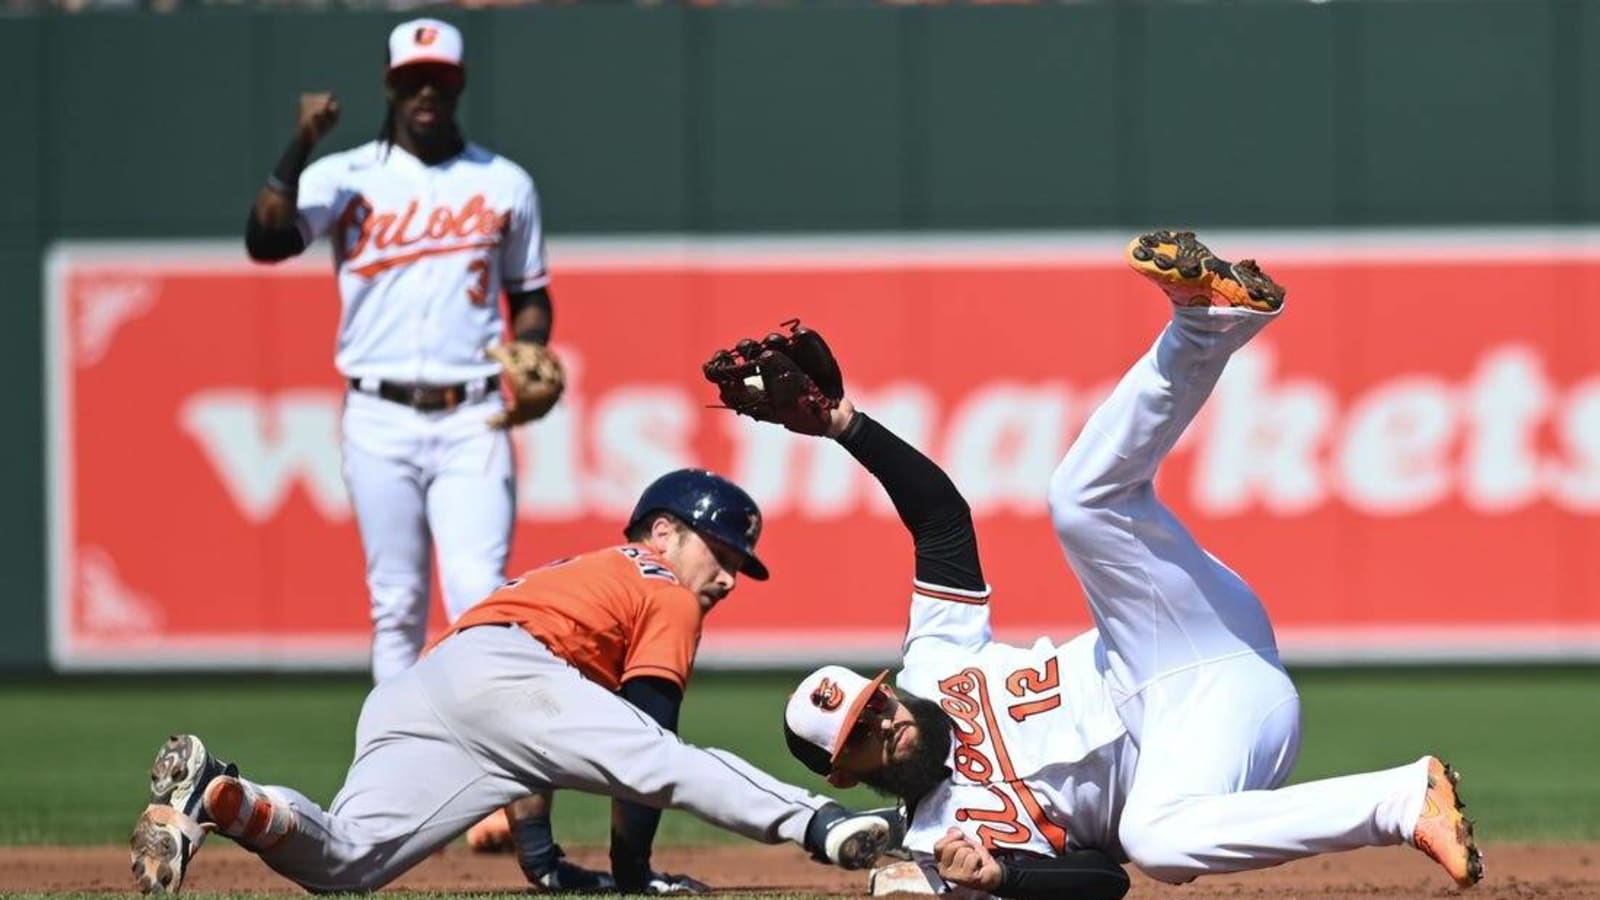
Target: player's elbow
264	249
260	254
1072	503
270	245
1115	885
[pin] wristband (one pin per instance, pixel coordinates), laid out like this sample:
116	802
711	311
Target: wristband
285	178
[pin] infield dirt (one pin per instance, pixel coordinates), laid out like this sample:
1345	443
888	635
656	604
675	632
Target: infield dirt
1515	872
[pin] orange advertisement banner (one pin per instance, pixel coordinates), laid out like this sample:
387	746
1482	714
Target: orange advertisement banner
1406	466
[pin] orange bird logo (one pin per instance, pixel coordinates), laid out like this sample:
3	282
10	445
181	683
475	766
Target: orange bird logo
827	696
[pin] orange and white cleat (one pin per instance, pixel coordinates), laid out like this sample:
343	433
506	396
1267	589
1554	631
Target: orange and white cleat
492	835
1191	275
1442	831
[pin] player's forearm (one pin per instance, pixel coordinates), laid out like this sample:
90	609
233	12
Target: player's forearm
272	231
273	211
267	243
532	315
1079	874
927	501
275	202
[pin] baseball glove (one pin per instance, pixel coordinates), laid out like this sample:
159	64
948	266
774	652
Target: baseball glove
535	379
790	379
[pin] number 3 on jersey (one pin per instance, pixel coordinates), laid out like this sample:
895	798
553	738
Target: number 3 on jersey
478	291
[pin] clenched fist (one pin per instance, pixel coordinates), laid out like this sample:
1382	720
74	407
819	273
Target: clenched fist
319	112
965	862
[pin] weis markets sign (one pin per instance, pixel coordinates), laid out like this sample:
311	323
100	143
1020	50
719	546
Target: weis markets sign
1406	465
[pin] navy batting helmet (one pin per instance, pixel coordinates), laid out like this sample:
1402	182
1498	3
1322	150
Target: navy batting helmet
716	508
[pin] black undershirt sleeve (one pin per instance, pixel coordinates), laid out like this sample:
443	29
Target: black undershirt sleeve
928	502
269	244
633	825
1075	875
539	297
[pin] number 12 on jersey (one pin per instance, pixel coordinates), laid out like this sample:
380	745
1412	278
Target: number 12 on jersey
1034	683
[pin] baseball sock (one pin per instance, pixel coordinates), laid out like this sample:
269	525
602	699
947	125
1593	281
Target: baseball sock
243	811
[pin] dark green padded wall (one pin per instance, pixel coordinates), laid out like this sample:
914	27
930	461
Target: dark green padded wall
828	117
22	224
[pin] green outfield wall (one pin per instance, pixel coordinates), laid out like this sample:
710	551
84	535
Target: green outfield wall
826	118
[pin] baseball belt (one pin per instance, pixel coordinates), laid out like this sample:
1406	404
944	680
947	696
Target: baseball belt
427	397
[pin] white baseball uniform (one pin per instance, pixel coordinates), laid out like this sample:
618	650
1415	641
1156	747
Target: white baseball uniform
422	253
1163	735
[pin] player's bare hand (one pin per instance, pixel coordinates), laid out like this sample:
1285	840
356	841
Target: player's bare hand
963	861
319	112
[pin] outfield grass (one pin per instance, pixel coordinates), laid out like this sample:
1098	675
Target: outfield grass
76	751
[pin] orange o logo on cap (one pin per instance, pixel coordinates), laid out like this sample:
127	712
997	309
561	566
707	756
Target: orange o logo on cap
426	35
827	696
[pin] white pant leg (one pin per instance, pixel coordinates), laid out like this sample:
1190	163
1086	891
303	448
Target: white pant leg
383	468
1191	657
1175	835
471	504
1159	601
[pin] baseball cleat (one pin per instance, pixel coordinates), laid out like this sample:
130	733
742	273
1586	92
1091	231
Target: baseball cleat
163	842
1442	831
171	828
1191	275
896	817
492	835
567	877
846	839
182	769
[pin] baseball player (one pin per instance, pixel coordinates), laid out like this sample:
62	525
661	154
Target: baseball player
568	676
428	231
1162	736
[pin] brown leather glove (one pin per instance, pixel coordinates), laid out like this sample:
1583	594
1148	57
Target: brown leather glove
790	379
535	380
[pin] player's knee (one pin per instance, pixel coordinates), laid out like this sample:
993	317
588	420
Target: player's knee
365	883
1074	509
360	869
348	880
1159	850
652	776
463	593
398	606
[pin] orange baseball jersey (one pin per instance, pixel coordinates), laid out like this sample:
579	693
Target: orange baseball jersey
614	614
